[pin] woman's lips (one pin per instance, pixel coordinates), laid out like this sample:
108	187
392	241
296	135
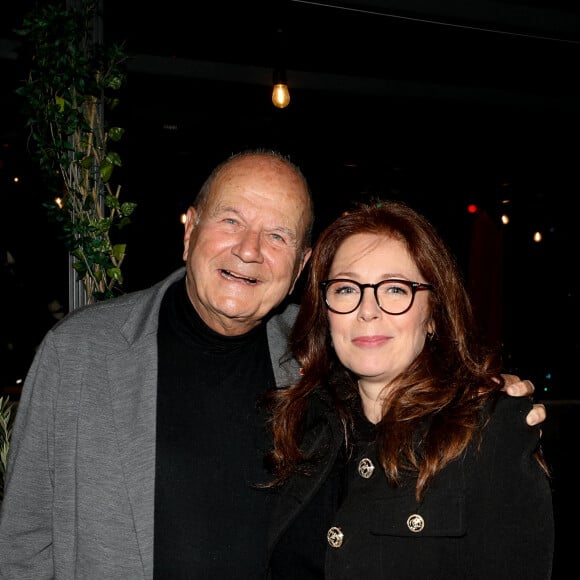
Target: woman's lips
370	341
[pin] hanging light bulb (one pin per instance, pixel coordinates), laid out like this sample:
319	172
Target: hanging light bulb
280	92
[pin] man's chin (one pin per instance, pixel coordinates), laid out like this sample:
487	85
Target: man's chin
237	312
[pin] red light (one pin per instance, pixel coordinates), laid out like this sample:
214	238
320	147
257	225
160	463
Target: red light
472	208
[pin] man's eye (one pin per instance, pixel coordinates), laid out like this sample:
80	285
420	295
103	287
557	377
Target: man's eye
278	238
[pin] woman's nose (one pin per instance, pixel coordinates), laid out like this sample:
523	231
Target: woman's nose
368	308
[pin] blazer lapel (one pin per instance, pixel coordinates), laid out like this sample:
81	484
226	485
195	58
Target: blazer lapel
132	372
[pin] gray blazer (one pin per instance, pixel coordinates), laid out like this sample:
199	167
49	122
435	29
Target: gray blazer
79	496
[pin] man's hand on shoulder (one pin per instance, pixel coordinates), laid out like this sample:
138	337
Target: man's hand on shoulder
517	387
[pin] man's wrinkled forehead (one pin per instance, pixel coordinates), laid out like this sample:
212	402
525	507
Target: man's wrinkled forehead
271	183
270	178
228	204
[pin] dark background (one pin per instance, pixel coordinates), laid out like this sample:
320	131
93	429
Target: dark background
440	104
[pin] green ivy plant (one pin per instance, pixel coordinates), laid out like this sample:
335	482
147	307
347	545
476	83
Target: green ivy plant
7	415
70	89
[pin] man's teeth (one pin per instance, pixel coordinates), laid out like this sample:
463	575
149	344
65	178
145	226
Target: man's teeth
243	278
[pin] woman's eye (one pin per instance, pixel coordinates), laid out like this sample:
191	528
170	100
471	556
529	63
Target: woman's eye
396	290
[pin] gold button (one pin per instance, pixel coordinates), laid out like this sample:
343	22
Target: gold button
415	523
365	468
335	537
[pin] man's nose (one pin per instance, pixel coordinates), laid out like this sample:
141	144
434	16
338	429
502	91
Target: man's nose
249	247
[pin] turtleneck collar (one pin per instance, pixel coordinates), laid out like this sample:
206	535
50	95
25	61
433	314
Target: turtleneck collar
186	321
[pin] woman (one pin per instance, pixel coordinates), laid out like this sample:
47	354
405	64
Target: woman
396	454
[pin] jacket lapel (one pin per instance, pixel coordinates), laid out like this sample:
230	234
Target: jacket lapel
133	379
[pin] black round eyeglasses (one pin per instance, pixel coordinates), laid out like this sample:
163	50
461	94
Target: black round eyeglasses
393	296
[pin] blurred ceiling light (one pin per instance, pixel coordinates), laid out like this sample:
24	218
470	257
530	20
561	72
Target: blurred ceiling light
280	92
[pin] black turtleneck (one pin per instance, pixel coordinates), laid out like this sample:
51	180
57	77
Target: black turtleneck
210	522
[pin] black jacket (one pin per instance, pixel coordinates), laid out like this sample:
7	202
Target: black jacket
486	516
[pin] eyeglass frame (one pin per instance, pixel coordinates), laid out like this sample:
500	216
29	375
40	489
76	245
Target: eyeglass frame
413	286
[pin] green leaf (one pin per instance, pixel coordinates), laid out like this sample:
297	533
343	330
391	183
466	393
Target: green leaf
115	133
112	202
60	102
106	170
114	158
80	268
115	274
119	251
128	207
115	82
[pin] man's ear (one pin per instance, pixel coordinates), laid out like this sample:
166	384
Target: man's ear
190	223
